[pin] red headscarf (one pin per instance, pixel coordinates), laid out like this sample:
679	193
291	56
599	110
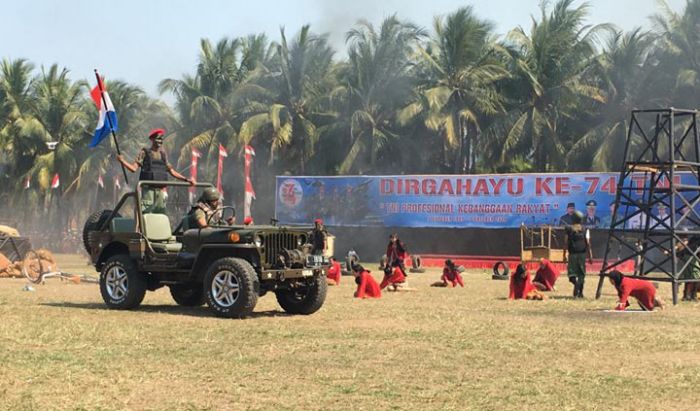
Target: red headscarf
547	274
520	283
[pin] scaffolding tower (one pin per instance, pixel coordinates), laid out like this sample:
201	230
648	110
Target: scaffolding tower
655	221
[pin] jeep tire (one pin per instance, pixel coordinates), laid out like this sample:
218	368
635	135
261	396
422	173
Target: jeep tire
122	286
93	223
187	295
306	299
231	288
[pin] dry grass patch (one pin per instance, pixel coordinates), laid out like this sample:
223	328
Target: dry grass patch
435	348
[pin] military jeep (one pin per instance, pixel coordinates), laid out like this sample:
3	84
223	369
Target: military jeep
228	267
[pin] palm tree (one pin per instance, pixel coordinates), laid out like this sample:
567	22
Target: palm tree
463	66
18	145
297	80
678	51
209	103
626	71
554	66
377	82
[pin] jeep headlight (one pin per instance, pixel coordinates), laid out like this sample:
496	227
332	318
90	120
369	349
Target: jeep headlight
258	241
301	240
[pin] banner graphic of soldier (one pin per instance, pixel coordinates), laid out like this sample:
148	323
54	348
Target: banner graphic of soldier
488	201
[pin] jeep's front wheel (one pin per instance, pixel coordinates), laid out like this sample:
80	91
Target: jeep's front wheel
187	295
231	288
305	298
122	286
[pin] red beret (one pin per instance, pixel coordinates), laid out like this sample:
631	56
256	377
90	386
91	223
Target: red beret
248	220
156	132
318	220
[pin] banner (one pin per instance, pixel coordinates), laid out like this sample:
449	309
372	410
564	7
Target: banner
487	201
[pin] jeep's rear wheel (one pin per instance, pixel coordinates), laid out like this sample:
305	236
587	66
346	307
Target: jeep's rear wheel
231	288
187	295
306	298
122	286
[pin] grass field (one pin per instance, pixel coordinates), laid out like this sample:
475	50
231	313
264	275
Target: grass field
453	349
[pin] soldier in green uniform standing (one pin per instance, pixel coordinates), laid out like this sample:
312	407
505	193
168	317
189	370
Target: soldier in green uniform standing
154	166
578	247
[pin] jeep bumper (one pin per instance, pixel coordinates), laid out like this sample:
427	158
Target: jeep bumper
291	273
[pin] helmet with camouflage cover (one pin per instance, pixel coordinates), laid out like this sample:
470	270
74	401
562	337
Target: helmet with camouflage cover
210	194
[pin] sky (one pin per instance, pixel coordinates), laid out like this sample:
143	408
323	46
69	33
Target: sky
145	41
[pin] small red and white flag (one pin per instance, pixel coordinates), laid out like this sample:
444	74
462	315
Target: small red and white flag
222	154
222	151
196	155
56	181
249	191
26	182
100	181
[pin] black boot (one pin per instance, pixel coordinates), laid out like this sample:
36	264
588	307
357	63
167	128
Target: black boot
580	288
573	281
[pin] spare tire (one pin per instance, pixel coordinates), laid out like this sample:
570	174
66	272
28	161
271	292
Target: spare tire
93	223
498	274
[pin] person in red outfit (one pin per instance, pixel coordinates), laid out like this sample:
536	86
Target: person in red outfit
521	286
451	276
367	287
546	276
396	253
334	272
642	290
392	276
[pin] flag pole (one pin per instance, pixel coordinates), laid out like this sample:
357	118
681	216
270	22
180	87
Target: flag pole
111	126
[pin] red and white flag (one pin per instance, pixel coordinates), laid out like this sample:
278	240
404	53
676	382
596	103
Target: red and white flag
56	182
222	154
100	181
196	155
26	182
249	191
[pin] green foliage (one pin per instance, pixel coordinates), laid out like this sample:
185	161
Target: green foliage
454	99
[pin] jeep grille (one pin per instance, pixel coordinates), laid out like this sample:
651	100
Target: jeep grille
276	242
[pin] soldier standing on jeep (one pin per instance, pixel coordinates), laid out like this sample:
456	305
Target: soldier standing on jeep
208	205
154	167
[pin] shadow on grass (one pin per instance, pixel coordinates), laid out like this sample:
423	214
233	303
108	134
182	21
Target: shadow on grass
164	309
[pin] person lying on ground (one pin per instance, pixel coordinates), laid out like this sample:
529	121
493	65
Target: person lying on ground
451	275
367	287
521	286
642	290
546	276
334	272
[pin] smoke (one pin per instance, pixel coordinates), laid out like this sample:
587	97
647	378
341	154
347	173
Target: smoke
336	18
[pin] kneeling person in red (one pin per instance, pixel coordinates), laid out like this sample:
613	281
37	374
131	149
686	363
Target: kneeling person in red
451	275
334	272
546	276
367	287
392	276
642	290
521	286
